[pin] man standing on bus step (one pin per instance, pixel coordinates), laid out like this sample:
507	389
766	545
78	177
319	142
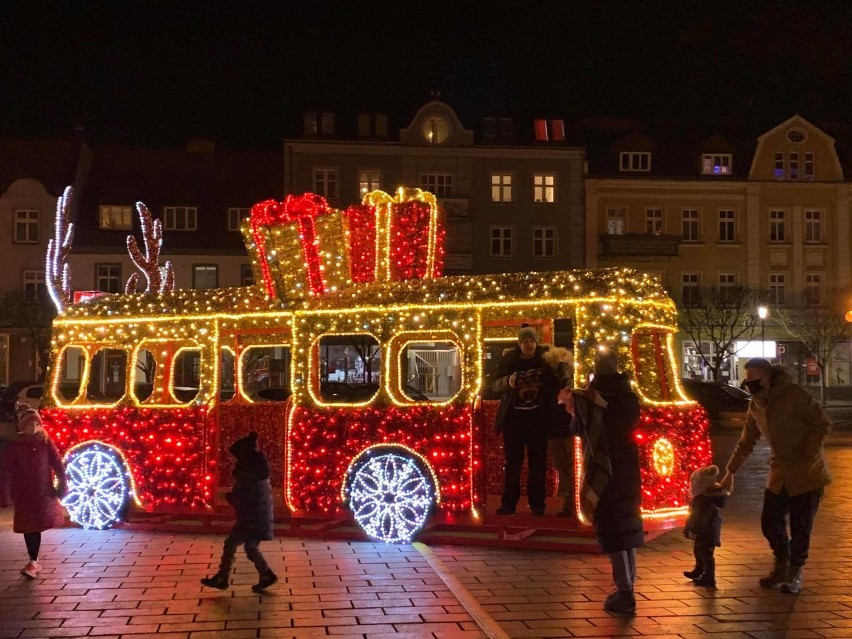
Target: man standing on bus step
795	427
529	389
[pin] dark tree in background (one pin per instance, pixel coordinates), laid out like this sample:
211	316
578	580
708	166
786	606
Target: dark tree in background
32	317
717	318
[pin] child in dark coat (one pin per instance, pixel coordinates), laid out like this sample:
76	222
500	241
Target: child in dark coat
704	524
251	499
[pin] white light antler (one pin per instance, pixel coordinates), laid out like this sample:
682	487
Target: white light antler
149	264
57	271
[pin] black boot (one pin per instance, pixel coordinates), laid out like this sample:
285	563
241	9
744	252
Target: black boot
267	578
621	602
695	573
793	583
708	580
218	581
778	575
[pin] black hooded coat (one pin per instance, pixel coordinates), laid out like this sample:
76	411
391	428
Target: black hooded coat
251	495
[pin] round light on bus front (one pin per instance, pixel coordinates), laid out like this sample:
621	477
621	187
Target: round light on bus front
663	457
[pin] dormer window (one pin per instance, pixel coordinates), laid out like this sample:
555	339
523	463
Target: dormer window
635	161
796	136
716	164
435	129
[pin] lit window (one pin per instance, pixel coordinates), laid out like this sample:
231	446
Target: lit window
690	225
777	288
691	289
325	182
501	187
544	188
430	371
716	164
205	276
633	161
654	221
502	241
368	180
439	184
108	278
26	226
616	221
777	226
115	218
727	226
544	241
180	218
236	217
813	226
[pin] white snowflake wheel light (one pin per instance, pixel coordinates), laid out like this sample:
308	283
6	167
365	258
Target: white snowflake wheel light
390	494
99	486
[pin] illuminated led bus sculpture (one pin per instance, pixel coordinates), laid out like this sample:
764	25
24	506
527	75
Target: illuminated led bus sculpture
149	390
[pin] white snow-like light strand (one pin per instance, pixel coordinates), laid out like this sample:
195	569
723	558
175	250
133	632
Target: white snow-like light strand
57	272
99	486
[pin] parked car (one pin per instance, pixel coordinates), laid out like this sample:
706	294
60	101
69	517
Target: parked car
27	392
721	401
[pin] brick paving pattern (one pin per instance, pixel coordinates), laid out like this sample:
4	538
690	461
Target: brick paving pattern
123	583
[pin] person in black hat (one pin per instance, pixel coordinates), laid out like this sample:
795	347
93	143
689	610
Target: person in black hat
251	498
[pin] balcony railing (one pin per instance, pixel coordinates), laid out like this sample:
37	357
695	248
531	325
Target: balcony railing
640	244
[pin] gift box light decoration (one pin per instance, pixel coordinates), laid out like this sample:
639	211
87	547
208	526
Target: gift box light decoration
372	270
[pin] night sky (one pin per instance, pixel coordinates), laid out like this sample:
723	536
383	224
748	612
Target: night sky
158	73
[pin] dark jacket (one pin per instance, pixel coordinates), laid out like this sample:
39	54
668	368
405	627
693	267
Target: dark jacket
704	523
618	517
512	362
251	495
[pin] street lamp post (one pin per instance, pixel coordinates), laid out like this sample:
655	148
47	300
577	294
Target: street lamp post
762	313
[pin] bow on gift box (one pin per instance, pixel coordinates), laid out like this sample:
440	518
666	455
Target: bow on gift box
305	211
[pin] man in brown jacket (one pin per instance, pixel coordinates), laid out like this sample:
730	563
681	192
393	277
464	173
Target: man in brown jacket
795	426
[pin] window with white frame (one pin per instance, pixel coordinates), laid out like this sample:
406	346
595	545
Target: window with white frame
794	165
544	241
779	165
246	275
439	184
26	226
690	290
616	221
369	180
778	288
544	188
325	182
813	225
502	241
654	221
813	289
236	215
727	283
115	218
690	225
501	187
778	226
635	161
108	278
727	225
205	276
716	163
180	218
809	165
35	289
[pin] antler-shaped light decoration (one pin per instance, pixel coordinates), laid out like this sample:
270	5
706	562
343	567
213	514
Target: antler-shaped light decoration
57	271
149	264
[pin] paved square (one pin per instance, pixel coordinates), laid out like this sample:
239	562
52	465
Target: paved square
122	583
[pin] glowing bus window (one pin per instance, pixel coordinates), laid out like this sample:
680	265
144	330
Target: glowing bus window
266	373
349	368
430	371
107	376
69	385
186	374
227	375
144	373
652	364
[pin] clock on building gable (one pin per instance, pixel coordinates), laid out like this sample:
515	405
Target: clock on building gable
435	129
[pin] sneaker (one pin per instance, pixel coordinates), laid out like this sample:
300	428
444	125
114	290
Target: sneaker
266	579
503	510
793	584
217	581
777	577
621	602
31	570
706	580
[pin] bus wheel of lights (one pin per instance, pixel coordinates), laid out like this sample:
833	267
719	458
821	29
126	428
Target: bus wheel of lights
390	493
99	486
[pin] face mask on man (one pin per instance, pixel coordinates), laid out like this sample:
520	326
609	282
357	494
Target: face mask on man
754	386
